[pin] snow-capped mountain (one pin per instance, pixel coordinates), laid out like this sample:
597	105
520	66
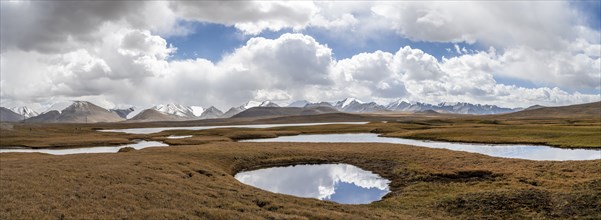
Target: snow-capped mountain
59	106
233	111
320	104
197	110
476	109
82	111
268	104
151	114
8	115
299	103
398	105
77	112
404	106
176	109
211	112
448	107
24	111
346	102
355	105
250	104
123	112
137	111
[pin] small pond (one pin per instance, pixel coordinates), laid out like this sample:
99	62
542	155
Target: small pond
521	151
178	136
159	129
84	150
341	183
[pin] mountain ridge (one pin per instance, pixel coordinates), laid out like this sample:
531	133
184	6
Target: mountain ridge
77	112
82	111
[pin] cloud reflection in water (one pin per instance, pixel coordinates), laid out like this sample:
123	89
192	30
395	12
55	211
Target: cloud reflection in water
341	183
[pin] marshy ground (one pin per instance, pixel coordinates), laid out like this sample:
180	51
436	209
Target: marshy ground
194	179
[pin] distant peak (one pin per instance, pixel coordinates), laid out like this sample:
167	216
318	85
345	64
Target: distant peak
212	108
349	101
80	102
197	110
299	103
251	104
268	104
59	106
175	109
25	111
401	101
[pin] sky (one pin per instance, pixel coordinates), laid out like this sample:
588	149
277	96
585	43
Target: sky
225	53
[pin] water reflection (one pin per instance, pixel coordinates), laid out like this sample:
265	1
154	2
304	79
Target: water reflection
159	129
521	151
341	183
179	137
84	150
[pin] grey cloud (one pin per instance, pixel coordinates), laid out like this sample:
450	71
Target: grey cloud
47	25
250	16
112	52
541	25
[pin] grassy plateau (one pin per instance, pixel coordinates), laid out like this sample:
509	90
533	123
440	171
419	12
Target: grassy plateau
193	179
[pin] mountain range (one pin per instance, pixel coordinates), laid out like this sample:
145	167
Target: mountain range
77	112
82	111
449	107
8	115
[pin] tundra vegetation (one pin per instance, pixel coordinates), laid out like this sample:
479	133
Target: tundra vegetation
194	177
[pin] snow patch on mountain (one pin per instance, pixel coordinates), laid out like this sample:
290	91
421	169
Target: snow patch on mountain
448	107
346	102
299	103
251	104
268	104
137	110
25	111
59	106
197	110
175	109
124	112
211	112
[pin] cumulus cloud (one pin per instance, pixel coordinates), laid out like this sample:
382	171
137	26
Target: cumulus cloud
293	66
536	24
283	66
115	53
252	17
368	75
59	26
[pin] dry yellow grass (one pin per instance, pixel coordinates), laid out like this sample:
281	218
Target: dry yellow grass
197	182
559	132
195	178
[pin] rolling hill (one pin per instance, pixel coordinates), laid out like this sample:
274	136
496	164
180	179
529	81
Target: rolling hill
580	110
8	115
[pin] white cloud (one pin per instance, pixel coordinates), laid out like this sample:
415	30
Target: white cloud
252	17
59	26
367	75
115	53
540	25
272	94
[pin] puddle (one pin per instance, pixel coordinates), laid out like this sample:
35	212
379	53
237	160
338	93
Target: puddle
179	137
87	150
341	183
521	151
